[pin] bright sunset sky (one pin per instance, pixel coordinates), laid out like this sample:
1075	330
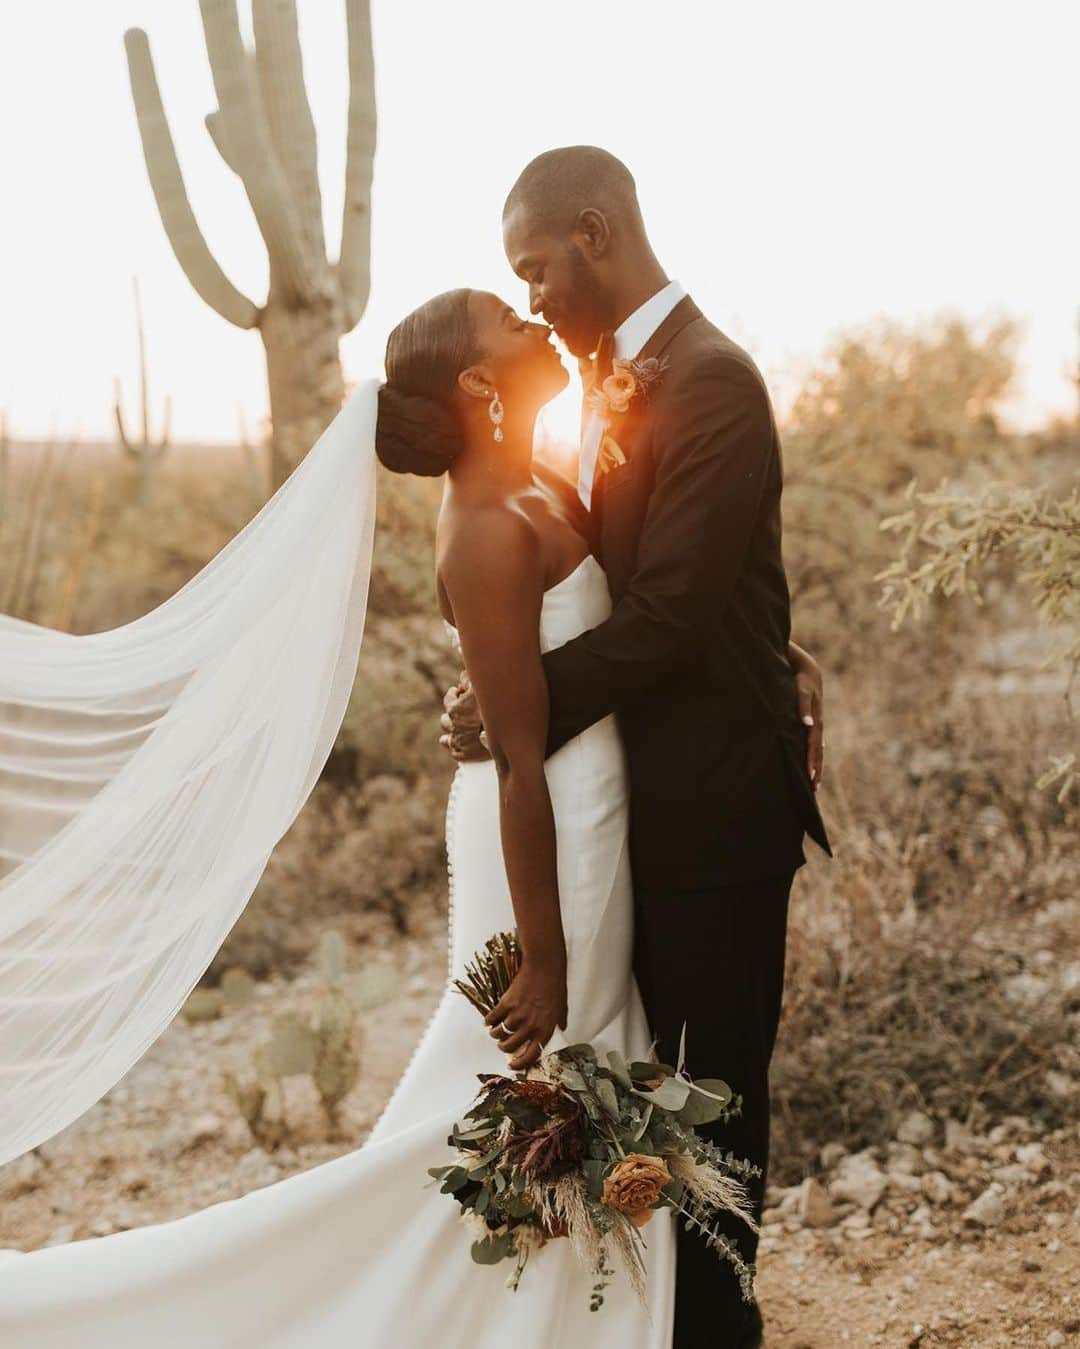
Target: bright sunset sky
803	168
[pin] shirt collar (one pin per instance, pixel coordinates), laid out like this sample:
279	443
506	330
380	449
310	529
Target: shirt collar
632	334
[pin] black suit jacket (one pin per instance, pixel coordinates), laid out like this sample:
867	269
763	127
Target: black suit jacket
694	656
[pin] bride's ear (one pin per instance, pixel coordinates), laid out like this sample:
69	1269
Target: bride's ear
476	382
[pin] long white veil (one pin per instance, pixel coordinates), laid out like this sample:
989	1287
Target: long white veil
147	772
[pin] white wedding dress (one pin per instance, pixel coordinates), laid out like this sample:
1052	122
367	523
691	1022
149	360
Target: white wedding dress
364	1250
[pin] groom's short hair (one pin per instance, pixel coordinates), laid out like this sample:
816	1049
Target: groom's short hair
555	187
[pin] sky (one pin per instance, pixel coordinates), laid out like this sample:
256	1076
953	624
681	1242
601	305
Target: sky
803	168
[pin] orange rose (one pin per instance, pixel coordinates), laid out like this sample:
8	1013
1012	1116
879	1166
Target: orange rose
634	1184
620	386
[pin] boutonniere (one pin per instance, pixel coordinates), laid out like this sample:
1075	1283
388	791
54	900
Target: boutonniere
628	380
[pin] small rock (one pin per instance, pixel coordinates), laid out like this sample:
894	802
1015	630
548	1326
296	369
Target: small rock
1026	991
22	1175
959	1139
203	1130
1058	1084
832	1154
1032	1156
1013	1174
986	1211
907	1184
61	1236
937	1187
916	1128
904	1157
1055	1337
815	1206
859	1179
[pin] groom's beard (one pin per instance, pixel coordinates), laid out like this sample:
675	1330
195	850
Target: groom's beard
588	310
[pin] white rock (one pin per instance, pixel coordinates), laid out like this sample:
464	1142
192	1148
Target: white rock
1026	990
937	1187
61	1236
203	1130
1055	1337
904	1157
815	1206
831	1155
916	1128
1032	1156
986	1211
959	1139
1013	1174
859	1179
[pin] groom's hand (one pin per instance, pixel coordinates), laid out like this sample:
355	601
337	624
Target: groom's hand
811	691
463	731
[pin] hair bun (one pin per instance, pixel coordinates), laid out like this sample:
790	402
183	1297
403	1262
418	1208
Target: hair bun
416	434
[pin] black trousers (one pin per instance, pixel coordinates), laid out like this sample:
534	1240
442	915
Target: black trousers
715	959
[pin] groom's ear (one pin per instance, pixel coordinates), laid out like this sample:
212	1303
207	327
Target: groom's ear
593	232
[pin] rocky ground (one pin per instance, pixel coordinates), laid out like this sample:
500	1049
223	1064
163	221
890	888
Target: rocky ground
946	1237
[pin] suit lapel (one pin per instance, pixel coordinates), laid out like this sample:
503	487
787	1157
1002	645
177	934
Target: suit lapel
684	313
632	426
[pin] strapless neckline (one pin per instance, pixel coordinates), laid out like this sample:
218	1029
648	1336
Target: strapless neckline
579	570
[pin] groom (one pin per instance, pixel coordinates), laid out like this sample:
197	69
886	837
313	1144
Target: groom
679	489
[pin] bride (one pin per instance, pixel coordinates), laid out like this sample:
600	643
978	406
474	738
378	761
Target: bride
362	1250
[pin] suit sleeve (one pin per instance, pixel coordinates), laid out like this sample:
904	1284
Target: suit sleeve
713	443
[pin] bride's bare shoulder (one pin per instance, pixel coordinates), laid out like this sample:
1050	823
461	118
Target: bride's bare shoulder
485	551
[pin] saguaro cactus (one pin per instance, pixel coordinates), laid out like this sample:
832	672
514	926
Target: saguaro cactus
263	129
144	450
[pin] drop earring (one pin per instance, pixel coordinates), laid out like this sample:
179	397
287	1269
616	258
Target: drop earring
496	413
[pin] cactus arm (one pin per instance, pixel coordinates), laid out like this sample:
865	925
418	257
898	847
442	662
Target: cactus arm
118	414
280	73
354	265
244	131
167	184
216	128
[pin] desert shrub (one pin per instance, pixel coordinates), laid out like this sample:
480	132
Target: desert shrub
885	406
934	962
953	887
321	1043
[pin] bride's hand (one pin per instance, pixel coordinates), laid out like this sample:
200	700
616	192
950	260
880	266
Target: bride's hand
525	1017
463	730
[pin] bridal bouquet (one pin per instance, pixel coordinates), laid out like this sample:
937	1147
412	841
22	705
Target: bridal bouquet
588	1150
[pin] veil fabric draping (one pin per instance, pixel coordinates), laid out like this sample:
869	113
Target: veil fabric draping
147	772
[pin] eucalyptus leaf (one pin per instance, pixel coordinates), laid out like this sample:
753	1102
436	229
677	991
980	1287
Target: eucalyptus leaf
619	1068
671	1094
594	1172
639	1132
491	1250
705	1103
606	1092
572	1079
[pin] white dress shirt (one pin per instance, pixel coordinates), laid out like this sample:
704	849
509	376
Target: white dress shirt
629	339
